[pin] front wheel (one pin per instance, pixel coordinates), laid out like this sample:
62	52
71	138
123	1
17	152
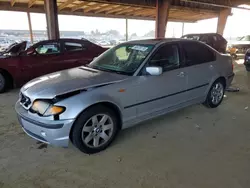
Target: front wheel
95	129
216	94
3	82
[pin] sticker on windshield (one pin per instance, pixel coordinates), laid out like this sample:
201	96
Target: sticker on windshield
139	48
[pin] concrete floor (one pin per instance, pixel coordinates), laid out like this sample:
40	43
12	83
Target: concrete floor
193	148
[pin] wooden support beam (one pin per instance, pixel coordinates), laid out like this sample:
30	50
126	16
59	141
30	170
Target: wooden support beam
126	29
79	6
141	12
131	9
215	4
104	9
114	10
107	9
12	2
94	7
65	4
162	13
31	3
52	19
30	28
124	10
222	20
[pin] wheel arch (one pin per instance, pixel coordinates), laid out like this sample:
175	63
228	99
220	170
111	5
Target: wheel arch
110	105
9	76
223	79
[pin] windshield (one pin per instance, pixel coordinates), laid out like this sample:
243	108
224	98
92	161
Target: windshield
123	59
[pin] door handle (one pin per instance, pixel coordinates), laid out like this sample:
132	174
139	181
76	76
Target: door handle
211	66
181	74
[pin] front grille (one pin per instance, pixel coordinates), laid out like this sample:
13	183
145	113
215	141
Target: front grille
25	101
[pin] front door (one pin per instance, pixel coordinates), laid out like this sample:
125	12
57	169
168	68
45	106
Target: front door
42	61
159	93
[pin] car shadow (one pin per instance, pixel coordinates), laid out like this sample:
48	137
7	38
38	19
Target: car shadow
155	125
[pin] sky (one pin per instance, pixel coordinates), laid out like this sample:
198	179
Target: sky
236	26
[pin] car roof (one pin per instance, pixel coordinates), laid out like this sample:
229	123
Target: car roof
201	34
156	41
63	40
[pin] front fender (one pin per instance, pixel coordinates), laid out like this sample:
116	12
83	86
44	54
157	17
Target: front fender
78	103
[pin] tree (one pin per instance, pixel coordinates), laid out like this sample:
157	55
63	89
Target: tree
150	34
133	35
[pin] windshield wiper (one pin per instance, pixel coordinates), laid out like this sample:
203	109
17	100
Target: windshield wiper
108	70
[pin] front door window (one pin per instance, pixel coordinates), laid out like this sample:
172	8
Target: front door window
49	48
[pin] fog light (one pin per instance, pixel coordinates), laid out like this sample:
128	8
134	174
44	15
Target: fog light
43	133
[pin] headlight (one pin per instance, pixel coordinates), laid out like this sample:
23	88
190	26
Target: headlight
45	108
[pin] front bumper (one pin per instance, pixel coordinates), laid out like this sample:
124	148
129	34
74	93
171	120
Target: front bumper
48	131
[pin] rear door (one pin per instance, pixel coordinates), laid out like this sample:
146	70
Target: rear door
42	61
75	53
200	64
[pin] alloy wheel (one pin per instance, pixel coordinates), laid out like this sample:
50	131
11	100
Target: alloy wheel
97	130
217	93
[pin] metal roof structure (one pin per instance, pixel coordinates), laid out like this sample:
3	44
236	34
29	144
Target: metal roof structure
180	10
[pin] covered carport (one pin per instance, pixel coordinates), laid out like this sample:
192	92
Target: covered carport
161	11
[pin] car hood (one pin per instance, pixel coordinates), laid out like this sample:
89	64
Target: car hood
62	82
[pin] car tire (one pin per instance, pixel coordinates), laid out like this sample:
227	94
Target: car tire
4	82
248	68
95	132
216	94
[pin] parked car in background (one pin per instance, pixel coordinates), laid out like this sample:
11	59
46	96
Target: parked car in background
127	84
247	60
214	40
239	47
42	58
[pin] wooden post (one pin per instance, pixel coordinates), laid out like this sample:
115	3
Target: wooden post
126	29
52	19
222	20
30	28
162	12
183	27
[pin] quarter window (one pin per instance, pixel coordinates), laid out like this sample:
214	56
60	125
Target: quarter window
166	57
72	46
197	53
49	48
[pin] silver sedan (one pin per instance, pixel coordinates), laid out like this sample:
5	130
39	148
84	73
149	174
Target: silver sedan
128	84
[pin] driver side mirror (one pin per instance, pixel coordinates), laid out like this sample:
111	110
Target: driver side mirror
154	71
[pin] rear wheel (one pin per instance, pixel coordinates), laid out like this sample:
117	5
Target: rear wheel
215	94
248	68
95	129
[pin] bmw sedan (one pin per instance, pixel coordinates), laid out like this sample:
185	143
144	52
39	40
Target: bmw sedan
128	84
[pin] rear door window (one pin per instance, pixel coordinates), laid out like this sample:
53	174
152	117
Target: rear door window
197	53
73	46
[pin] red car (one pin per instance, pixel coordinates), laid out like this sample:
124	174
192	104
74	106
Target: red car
17	65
